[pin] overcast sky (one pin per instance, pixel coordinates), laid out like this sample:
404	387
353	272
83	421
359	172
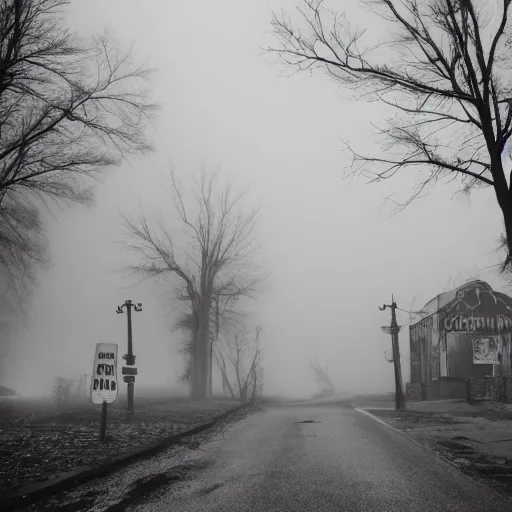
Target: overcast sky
333	248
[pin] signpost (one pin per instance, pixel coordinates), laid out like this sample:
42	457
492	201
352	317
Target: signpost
104	385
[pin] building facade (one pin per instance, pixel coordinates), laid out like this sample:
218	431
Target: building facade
464	334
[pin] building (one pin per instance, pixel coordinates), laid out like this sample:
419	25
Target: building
464	334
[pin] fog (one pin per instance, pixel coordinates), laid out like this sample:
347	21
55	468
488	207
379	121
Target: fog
334	249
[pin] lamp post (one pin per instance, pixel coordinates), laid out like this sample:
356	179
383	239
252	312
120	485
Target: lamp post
129	373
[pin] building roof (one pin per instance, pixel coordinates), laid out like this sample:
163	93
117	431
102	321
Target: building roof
443	300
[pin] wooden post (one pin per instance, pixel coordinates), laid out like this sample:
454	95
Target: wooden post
103	421
399	400
399	394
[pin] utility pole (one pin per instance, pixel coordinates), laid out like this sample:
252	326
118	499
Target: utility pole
393	330
129	373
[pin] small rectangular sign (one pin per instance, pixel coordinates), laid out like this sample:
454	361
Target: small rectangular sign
129	378
104	374
486	350
126	370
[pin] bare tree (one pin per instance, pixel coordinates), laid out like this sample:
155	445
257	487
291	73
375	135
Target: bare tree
239	360
68	110
445	70
225	316
9	324
321	376
62	392
188	323
215	261
220	360
22	249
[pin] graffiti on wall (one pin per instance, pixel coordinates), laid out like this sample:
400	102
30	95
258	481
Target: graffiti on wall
477	309
461	323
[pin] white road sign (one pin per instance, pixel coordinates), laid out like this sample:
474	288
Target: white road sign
104	374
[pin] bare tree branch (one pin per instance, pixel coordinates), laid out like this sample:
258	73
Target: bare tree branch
321	376
444	69
220	233
244	352
69	109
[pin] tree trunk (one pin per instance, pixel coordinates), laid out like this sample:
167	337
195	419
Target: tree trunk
210	368
254	383
504	199
507	218
194	370
202	352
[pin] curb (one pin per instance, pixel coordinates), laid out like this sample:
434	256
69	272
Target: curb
31	493
402	433
427	449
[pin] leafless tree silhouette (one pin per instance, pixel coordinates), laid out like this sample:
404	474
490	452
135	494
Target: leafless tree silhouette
216	261
223	314
68	110
321	376
445	70
239	360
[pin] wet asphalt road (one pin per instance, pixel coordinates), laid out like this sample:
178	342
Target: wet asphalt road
298	457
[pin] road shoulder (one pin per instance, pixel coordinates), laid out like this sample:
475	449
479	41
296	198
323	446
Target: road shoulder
475	439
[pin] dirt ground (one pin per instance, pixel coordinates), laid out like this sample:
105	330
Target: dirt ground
175	460
37	444
476	438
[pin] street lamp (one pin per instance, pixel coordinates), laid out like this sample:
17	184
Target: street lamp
129	373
